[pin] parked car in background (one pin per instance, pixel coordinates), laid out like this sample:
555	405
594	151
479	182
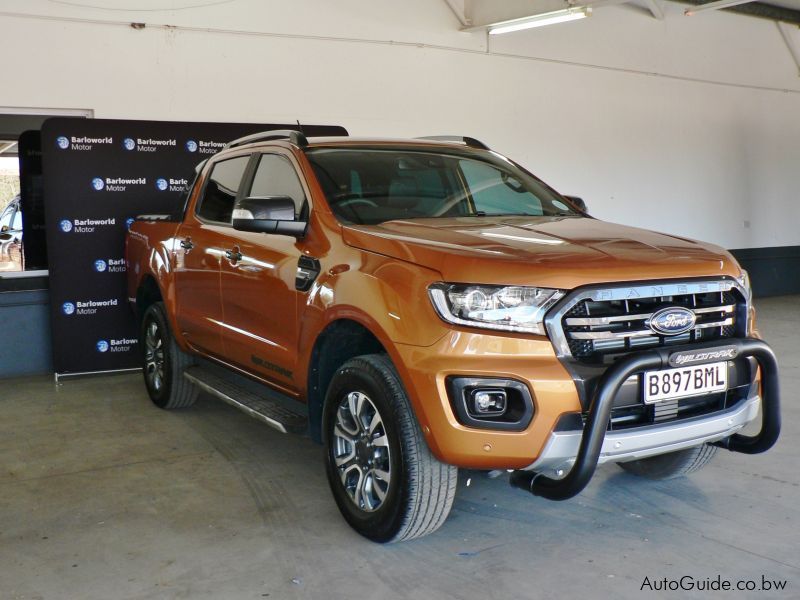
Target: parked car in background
11	236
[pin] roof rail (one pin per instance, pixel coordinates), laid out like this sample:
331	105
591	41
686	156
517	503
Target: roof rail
469	141
295	137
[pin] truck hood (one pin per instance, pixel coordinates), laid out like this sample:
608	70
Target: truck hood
557	252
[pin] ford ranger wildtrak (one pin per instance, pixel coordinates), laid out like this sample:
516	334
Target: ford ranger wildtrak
422	305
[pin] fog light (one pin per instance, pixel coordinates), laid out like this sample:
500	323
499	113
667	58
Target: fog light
488	403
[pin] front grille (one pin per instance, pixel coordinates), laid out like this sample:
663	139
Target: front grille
597	330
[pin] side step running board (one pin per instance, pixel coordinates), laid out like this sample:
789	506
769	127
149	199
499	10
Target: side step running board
263	409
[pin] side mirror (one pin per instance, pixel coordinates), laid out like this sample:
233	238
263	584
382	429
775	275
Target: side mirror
268	214
577	202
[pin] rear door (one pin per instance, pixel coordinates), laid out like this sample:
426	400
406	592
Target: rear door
200	247
259	299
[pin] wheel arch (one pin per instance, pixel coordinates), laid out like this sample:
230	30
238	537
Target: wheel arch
341	340
147	293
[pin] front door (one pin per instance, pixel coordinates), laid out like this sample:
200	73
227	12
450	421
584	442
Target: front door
199	250
258	270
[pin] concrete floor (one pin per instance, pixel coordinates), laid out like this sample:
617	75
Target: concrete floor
104	496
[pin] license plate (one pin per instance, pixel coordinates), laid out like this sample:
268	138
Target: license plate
685	381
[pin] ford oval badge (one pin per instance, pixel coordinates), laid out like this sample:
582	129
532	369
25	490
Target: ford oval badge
673	320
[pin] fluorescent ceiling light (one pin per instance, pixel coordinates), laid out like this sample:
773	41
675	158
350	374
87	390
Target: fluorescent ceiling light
549	18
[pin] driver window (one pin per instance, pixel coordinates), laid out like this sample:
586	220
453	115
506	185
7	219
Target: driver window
275	176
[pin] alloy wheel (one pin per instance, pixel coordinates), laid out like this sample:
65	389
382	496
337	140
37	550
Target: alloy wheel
361	451
154	356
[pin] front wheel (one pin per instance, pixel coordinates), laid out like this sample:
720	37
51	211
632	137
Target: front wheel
386	483
164	362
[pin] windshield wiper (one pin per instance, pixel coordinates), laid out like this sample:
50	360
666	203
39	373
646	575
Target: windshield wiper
481	213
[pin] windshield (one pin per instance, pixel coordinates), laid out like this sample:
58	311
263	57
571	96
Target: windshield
370	186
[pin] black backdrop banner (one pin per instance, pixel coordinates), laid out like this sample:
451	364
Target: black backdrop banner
34	244
98	175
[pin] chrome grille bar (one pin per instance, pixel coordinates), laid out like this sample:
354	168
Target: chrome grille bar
606	335
595	321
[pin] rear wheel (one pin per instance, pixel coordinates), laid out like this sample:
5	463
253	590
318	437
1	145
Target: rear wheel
386	483
673	464
164	362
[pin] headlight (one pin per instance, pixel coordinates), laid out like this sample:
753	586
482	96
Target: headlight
744	281
507	308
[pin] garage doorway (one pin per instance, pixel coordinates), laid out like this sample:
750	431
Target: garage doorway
14	121
25	342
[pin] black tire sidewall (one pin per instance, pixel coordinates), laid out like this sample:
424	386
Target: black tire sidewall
156	313
382	524
671	465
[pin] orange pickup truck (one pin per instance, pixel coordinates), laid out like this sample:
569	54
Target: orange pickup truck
423	305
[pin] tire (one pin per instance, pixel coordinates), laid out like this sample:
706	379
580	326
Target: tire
163	362
403	491
673	464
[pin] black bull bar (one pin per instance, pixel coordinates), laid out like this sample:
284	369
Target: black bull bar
594	430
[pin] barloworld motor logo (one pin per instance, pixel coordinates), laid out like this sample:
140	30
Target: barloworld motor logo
110	265
116	184
81	143
85	225
88	307
116	345
172	185
149	144
204	146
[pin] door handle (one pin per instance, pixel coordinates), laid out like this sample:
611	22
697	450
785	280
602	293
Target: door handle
187	244
233	255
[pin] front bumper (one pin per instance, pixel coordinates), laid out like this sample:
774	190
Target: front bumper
594	436
562	448
532	361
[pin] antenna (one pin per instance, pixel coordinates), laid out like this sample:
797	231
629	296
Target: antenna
300	127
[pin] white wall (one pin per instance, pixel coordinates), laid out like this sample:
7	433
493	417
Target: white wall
686	125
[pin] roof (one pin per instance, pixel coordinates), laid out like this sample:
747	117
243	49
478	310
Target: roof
296	138
380	141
